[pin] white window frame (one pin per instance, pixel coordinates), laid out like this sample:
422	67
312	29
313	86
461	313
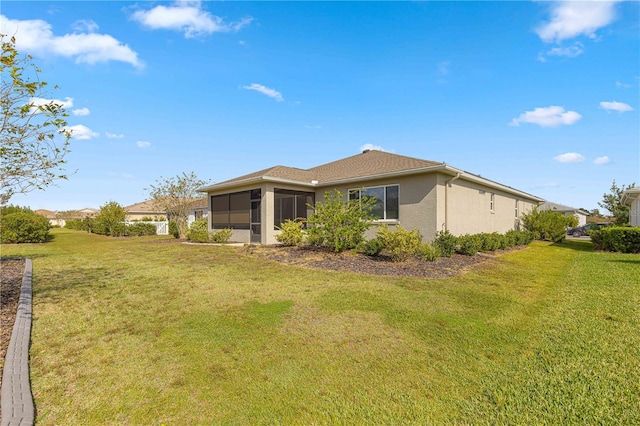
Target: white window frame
492	202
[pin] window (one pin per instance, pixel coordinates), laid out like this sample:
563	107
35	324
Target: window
231	210
517	213
492	202
288	204
387	204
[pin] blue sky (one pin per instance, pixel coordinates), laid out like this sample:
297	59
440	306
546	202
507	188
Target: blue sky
541	96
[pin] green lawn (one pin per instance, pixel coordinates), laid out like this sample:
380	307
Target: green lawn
136	331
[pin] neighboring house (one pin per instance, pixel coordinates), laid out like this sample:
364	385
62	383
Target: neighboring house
579	214
199	210
414	193
60	218
631	197
144	210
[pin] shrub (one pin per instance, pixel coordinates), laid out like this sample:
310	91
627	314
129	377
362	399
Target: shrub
339	223
547	224
446	243
371	247
400	243
110	220
222	236
428	252
75	224
21	225
198	231
140	229
174	229
491	242
620	239
469	245
291	233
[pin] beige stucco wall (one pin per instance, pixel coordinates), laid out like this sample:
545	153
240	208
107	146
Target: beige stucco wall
418	202
469	209
426	203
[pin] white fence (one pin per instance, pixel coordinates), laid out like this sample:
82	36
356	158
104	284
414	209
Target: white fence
162	228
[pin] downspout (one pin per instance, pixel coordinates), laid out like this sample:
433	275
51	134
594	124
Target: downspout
447	183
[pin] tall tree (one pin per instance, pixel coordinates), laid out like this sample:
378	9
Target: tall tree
613	203
33	135
176	196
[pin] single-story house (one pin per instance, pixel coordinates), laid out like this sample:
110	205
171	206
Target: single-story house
631	197
199	210
579	214
60	218
414	193
144	210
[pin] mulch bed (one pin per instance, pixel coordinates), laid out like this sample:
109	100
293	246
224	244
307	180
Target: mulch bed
11	272
321	258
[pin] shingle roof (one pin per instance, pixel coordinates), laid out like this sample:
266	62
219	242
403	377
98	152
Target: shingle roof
147	206
548	205
367	163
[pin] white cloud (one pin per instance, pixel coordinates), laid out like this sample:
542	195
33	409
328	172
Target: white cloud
570	19
81	112
36	36
143	144
188	17
569	157
313	127
84	25
621	85
602	160
570	52
443	67
81	132
370	147
67	103
551	116
113	135
616	106
265	91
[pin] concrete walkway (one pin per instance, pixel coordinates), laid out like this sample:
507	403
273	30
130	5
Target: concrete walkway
16	400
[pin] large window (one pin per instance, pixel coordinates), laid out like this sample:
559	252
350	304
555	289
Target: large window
231	210
386	206
291	205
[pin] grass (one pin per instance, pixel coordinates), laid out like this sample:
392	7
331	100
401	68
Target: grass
137	331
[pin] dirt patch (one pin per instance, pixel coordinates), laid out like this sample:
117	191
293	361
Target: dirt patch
322	258
11	272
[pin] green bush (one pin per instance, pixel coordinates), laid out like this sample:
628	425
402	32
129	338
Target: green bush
222	236
547	225
140	229
110	220
619	239
469	245
291	233
446	243
174	229
428	252
400	243
371	247
339	223
198	231
491	241
75	224
21	225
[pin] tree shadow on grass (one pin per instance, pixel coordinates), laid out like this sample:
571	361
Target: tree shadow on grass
54	286
578	245
629	261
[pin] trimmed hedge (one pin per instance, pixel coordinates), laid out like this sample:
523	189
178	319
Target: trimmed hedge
619	239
